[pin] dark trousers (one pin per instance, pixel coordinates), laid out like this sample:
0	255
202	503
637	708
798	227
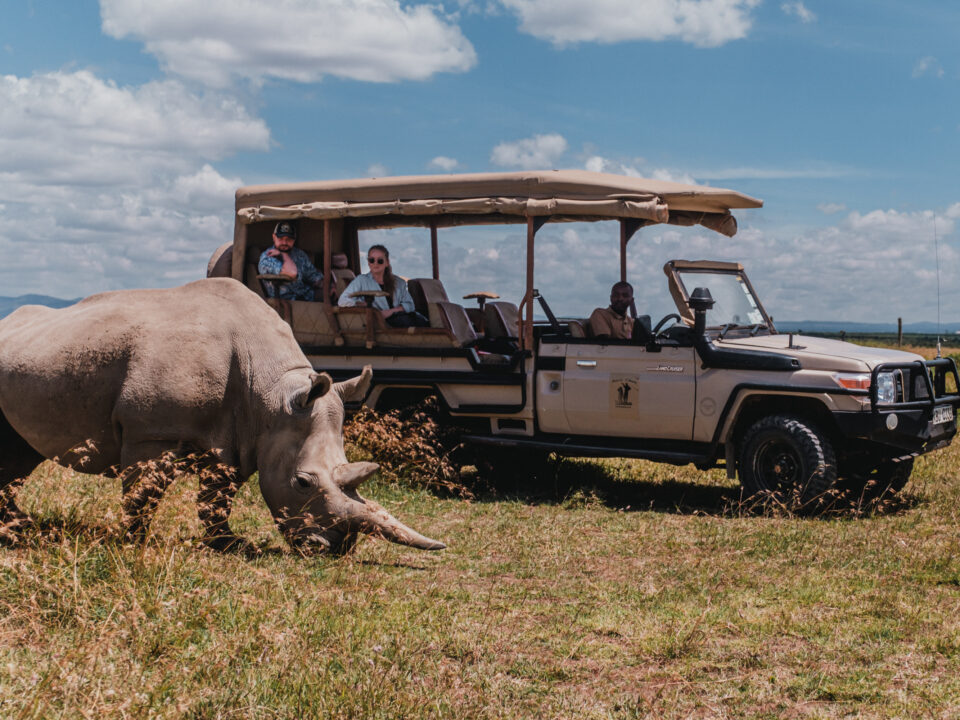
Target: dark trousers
407	319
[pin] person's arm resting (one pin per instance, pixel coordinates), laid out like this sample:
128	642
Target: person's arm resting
345	299
403	297
269	265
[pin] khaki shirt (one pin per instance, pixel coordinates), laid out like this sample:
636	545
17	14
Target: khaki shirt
606	322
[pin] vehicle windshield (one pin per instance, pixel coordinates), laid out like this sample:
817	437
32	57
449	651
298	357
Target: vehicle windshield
734	304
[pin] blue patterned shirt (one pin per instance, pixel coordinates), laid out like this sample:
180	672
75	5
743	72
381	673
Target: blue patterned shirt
299	289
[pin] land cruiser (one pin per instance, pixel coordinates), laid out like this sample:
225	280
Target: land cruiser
712	384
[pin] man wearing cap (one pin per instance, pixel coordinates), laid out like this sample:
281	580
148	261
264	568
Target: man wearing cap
292	262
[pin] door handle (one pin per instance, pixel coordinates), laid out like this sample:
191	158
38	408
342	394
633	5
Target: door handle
586	363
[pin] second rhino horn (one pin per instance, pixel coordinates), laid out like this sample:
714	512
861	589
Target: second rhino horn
349	476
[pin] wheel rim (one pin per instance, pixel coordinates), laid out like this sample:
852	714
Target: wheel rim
778	465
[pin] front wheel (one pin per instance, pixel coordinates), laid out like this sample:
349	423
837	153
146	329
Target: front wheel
789	459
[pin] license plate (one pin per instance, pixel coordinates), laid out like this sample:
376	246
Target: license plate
942	414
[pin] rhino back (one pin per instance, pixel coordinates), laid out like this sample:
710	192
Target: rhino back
184	365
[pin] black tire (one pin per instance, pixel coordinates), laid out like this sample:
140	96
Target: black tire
880	482
790	460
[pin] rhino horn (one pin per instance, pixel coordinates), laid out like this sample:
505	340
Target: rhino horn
367	516
374	520
355	389
350	476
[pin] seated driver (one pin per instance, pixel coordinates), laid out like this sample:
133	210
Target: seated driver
613	322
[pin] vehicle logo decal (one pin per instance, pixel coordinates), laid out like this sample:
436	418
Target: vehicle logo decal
623	391
665	368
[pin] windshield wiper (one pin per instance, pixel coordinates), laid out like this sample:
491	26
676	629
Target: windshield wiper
727	327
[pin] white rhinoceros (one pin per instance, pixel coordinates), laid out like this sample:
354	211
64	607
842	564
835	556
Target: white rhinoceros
207	370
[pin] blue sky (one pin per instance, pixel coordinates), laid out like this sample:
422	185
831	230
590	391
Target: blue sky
125	127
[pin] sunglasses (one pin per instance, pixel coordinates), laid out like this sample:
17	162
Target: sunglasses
375	261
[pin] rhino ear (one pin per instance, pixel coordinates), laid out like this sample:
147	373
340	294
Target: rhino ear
320	384
355	389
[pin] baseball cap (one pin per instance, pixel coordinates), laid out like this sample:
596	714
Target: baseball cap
285	229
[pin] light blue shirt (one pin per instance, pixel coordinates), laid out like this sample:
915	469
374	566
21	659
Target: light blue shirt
401	296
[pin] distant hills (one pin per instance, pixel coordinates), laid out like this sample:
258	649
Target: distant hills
818	326
9	304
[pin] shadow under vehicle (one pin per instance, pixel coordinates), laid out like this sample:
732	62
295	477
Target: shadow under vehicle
713	384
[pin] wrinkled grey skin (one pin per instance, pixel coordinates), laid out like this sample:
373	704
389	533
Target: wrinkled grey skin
206	369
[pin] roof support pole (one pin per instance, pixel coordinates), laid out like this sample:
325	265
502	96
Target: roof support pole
526	336
239	256
623	251
628	228
434	253
327	261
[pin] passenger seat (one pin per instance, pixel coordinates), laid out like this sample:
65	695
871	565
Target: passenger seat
453	318
501	320
427	293
342	275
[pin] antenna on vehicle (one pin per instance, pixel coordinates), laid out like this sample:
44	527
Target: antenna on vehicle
936	245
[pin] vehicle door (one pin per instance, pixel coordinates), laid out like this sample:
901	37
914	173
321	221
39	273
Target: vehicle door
621	389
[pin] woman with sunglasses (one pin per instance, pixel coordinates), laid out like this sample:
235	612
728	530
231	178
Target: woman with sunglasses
397	309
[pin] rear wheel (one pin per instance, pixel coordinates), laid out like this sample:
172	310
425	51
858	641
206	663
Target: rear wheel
790	460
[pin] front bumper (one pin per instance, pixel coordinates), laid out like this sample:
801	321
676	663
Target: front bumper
908	423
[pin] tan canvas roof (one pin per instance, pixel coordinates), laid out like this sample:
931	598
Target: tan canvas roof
496	197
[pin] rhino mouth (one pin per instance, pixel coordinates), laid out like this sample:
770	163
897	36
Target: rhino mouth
311	538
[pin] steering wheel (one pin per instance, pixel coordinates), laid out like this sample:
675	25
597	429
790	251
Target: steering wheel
671	316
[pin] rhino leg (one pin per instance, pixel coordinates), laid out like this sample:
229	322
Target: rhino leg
144	483
17	461
218	487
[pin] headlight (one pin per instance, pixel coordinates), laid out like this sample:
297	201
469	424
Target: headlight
886	388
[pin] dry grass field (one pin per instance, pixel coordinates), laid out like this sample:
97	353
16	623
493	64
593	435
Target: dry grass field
609	589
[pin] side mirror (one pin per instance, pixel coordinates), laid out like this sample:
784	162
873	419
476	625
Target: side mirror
700	301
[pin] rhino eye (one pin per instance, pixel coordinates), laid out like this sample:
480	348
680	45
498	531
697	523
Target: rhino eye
303	482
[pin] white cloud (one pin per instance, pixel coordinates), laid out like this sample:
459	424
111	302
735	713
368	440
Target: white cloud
534	153
378	170
446	164
638	167
107	186
218	40
928	65
831	208
799	10
774	173
597	163
705	23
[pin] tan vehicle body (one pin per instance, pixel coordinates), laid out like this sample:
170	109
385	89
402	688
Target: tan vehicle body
691	393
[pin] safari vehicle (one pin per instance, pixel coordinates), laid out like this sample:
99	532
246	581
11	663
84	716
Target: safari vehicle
713	384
